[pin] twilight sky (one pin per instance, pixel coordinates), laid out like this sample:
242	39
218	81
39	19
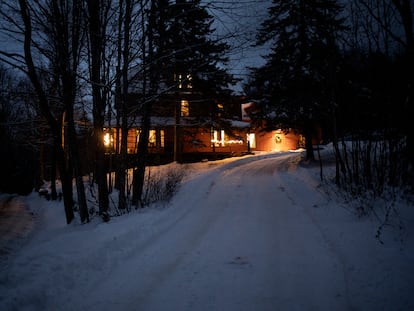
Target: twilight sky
239	21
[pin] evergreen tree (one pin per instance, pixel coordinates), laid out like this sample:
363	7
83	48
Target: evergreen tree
194	57
293	84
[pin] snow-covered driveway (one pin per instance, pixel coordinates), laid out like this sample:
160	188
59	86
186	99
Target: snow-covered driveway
243	235
242	244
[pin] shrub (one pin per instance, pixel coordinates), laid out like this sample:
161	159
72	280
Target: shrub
162	186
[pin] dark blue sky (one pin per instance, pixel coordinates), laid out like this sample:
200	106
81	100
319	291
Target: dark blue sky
238	21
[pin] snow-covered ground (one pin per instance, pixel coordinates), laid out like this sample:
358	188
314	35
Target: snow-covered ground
252	233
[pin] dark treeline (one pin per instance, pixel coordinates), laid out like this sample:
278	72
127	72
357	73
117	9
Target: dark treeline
343	67
81	59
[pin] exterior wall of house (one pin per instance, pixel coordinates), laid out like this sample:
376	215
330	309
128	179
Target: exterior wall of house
196	140
132	141
276	141
200	140
203	140
156	141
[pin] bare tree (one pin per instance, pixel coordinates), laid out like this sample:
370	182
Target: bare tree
45	108
122	86
405	9
139	171
65	31
19	134
97	13
394	24
51	34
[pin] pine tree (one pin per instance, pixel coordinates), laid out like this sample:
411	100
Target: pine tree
194	57
293	84
193	62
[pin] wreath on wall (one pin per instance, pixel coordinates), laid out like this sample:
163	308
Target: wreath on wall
278	139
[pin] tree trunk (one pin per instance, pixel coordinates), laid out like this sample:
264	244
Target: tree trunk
97	47
139	172
177	133
66	23
53	174
76	163
66	180
122	93
308	141
46	112
405	8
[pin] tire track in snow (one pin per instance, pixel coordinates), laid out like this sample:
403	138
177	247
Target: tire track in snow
227	230
282	168
291	182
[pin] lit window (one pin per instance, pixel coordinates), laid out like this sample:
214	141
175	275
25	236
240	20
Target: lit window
152	139
218	138
155	138
180	81
183	81
185	108
251	138
108	138
162	135
189	84
220	109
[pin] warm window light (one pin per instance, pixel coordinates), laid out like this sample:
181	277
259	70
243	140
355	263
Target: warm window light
251	138
108	140
152	138
219	139
234	141
180	81
155	138
184	81
185	108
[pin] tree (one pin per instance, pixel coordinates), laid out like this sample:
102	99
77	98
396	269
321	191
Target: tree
121	92
64	28
51	33
178	53
405	9
392	31
17	134
149	68
45	108
196	60
97	17
293	84
193	52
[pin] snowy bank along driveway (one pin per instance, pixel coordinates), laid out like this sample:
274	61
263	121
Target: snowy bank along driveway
249	234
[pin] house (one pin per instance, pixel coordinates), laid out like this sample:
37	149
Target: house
190	126
185	126
263	139
203	129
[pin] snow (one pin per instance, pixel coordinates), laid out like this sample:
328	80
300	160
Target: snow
253	233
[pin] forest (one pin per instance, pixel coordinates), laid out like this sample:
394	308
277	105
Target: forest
346	67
